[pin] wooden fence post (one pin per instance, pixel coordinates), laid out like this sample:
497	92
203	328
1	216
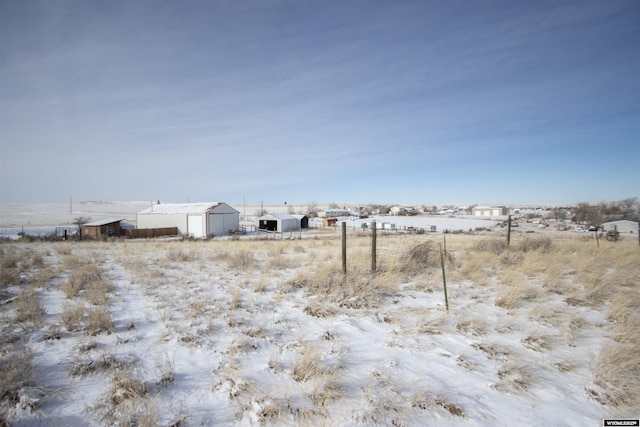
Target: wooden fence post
344	247
373	246
444	279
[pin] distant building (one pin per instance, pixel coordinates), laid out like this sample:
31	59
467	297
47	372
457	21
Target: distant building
624	227
333	213
278	221
191	219
101	229
489	211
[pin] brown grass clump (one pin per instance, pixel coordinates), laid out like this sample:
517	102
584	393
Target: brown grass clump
100	321
529	244
83	367
308	365
80	278
17	378
72	316
495	246
515	376
617	372
422	256
28	308
241	260
124	403
617	369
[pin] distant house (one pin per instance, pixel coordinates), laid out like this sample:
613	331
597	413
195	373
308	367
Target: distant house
397	210
624	227
101	229
489	211
333	213
278	221
191	219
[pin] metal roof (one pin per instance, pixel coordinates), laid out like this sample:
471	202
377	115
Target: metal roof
181	208
103	222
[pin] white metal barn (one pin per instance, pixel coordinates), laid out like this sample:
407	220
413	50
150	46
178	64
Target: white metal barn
278	221
192	219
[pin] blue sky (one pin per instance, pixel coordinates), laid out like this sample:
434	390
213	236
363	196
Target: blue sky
412	102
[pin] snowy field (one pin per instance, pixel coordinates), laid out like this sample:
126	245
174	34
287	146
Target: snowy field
271	332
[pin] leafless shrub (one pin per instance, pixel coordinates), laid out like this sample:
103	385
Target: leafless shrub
422	256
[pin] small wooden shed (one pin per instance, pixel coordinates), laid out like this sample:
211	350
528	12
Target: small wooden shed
101	229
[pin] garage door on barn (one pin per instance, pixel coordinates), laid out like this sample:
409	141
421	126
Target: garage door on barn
221	223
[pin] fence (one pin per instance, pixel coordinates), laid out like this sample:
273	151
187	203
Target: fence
147	233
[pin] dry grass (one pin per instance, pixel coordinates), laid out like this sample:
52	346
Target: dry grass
100	321
125	402
83	367
17	378
28	309
549	282
308	364
82	277
617	369
72	316
617	372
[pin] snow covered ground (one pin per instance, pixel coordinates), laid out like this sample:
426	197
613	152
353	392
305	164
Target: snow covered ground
270	332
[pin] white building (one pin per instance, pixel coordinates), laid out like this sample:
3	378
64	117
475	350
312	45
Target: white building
278	221
489	211
192	219
333	213
624	227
